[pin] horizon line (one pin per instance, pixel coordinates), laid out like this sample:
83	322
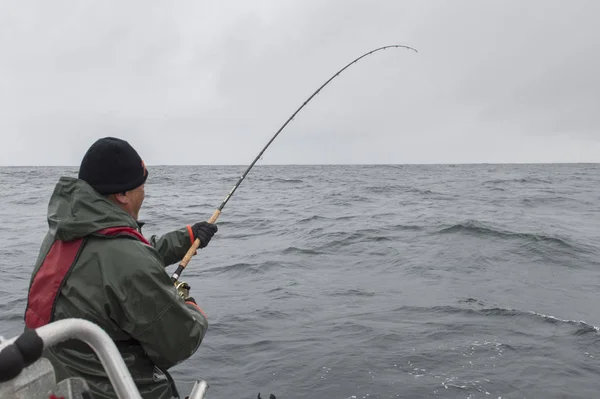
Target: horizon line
336	164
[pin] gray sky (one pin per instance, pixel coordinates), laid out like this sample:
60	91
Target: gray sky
197	82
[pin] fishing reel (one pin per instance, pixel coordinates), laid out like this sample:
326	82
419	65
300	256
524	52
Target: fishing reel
183	288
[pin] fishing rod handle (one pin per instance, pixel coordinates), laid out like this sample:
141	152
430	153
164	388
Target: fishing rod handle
192	251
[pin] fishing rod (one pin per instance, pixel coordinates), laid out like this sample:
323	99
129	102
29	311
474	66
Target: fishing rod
188	256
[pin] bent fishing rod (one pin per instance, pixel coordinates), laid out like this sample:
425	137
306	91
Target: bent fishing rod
192	251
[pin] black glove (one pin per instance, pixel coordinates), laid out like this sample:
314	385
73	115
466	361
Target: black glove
204	232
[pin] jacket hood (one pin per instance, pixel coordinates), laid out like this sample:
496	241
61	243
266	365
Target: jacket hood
76	210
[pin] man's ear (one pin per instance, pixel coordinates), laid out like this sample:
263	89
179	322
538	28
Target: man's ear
120	198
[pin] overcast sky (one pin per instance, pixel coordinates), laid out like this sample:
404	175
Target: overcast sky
198	82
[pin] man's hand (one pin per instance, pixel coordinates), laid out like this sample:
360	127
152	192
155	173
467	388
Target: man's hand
204	231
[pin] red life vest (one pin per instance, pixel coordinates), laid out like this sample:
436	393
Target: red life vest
50	277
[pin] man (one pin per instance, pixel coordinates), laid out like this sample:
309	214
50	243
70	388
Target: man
95	264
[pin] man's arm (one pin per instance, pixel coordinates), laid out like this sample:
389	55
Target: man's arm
145	304
173	246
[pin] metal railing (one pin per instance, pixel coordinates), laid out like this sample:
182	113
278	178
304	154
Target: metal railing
20	352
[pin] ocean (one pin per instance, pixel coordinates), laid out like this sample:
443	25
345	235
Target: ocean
368	281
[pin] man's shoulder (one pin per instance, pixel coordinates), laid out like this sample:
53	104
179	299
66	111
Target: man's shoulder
128	255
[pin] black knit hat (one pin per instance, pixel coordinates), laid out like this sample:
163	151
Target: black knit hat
112	166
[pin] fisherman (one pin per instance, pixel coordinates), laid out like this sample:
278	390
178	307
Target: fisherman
95	264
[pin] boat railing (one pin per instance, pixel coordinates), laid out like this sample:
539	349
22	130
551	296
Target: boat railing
24	373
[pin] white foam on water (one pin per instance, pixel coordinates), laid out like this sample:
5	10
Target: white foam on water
545	316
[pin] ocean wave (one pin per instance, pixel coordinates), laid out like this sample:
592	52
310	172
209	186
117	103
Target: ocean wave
312	218
12	317
246	268
194	206
353	292
349	200
254	223
581	326
399	227
381	189
545	200
525	180
300	251
402	189
270	314
280	293
421	191
280	180
24	201
315	218
281	288
342	239
11	305
350	327
478	228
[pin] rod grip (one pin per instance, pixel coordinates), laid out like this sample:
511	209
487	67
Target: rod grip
192	251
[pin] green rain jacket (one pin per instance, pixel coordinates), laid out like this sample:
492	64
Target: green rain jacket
95	265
